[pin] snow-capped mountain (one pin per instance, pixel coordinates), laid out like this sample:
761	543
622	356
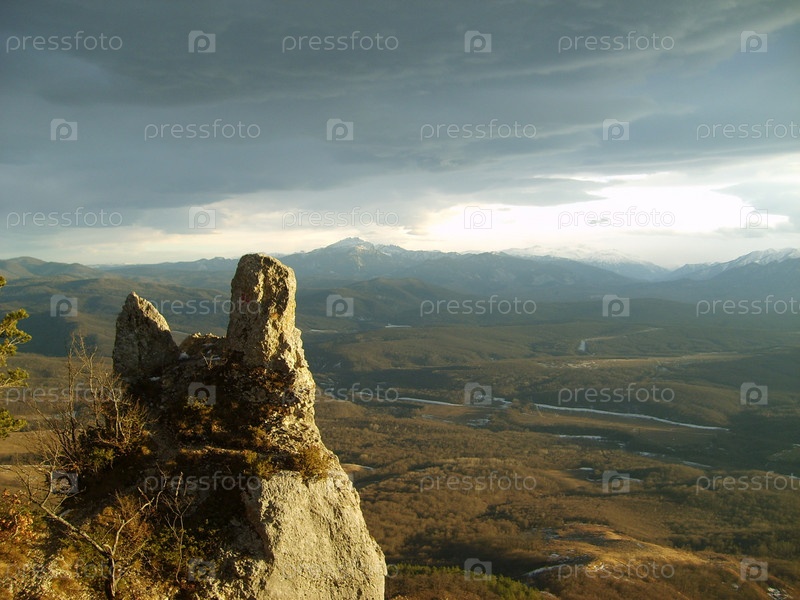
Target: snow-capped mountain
356	259
610	260
708	270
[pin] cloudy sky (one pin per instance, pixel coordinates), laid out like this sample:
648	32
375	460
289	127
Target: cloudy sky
153	131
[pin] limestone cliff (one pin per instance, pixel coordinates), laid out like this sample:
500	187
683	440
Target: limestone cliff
244	405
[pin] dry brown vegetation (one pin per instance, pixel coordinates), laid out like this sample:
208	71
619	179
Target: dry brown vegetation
661	540
400	452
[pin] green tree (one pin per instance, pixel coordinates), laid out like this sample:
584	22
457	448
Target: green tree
10	338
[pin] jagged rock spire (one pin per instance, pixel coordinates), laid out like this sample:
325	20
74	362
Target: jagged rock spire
261	329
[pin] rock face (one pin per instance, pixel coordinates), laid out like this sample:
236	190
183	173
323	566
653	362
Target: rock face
319	544
300	532
144	344
261	331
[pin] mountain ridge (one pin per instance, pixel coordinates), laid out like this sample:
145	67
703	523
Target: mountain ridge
365	259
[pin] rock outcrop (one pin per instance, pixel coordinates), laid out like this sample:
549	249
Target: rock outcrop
244	405
144	344
261	330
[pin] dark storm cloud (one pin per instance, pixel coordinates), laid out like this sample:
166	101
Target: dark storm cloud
266	94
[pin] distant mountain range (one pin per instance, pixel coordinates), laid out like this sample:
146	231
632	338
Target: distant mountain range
388	285
354	259
551	278
610	260
646	271
709	270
